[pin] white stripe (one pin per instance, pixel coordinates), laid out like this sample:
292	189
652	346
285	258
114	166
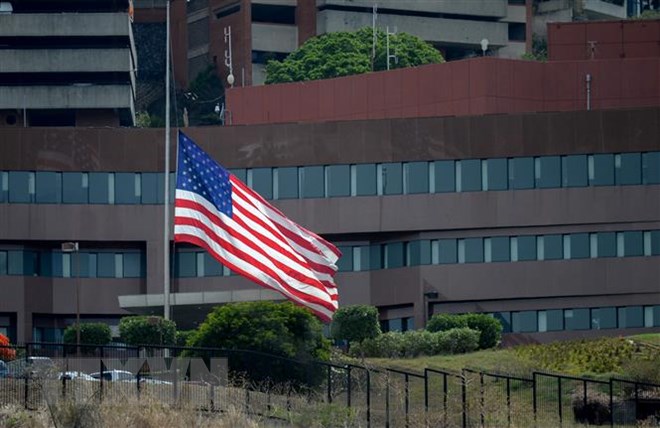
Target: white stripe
237	261
321	292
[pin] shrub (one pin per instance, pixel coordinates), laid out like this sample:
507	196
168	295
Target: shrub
444	322
387	345
147	330
355	323
281	329
183	337
91	333
490	329
419	342
457	341
6	354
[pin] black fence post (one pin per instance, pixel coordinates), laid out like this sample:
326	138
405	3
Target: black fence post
482	402
25	375
559	398
407	398
349	385
534	404
508	400
445	390
101	377
464	397
584	397
387	399
636	398
329	382
426	390
368	398
611	403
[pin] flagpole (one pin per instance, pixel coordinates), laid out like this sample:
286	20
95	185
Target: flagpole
166	199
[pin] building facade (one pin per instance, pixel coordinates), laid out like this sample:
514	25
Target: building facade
549	221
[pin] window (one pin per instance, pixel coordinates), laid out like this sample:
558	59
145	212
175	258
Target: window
392	178
470	250
240	173
629	244
601	170
521	173
651	168
628	168
15	263
416	177
360	258
152	187
505	319
394	256
517	31
446	251
631	317
497	249
418	253
127	188
133	265
551	320
363	180
261	181
655	242
547	171
212	267
286	183
338	180
185	264
3	263
577	319
4	186
311	181
375	257
99	187
652	316
21	187
444	176
496	174
523	248
468	175
606	244
345	263
603	318
106	265
49	187
579	246
574	171
524	322
552	247
74	187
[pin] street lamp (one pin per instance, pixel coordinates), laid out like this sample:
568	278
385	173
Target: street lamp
73	247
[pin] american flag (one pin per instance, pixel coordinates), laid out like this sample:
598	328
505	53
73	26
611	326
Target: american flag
216	211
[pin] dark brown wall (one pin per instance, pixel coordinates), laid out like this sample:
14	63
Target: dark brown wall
306	20
241	33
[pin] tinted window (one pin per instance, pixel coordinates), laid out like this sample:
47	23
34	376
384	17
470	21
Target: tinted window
240	173
579	244
418	253
338	180
631	317
547	172
15	262
468	175
74	187
471	250
524	322
523	248
133	265
553	247
152	188
577	319
606	244
603	318
447	251
497	249
394	255
261	181
185	264
21	186
416	177
628	168
49	187
99	187
106	265
633	244
574	171
286	183
655	242
4	186
601	170
554	320
375	257
311	181
505	319
212	267
521	173
444	176
651	167
127	188
496	173
392	178
3	263
360	258
363	180
345	263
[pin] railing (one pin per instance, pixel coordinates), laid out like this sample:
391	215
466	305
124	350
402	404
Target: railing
266	385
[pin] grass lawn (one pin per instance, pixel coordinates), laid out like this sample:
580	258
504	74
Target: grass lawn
650	338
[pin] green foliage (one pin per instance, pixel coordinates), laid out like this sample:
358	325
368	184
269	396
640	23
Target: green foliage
606	355
90	334
444	322
183	337
282	329
142	119
648	14
413	344
489	328
355	323
347	53
147	330
645	369
539	50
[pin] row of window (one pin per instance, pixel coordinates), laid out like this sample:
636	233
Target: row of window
394	178
579	319
499	249
56	264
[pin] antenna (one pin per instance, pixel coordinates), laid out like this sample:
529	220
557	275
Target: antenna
228	60
392	56
374	36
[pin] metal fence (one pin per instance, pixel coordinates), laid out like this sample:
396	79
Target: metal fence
268	385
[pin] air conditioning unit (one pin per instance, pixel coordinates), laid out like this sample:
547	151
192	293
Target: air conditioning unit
5	8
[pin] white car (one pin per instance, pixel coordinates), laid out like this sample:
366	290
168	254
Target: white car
126	376
77	376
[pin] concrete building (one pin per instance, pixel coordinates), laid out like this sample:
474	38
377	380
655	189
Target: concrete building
67	63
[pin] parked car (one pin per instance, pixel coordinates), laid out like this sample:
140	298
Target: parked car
30	367
3	369
77	376
126	376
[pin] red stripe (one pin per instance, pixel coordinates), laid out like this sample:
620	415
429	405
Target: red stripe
314	282
191	239
254	262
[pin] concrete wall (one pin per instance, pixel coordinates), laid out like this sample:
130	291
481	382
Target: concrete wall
602	9
66	60
64	24
59	97
274	37
488	8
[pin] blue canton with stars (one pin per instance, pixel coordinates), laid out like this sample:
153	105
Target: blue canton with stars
200	174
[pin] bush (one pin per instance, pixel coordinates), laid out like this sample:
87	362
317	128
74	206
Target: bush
489	328
444	322
457	341
355	323
6	354
147	330
183	337
281	329
91	333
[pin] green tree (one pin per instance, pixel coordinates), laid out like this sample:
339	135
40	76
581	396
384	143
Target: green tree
355	323
91	333
276	329
147	330
490	329
347	53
